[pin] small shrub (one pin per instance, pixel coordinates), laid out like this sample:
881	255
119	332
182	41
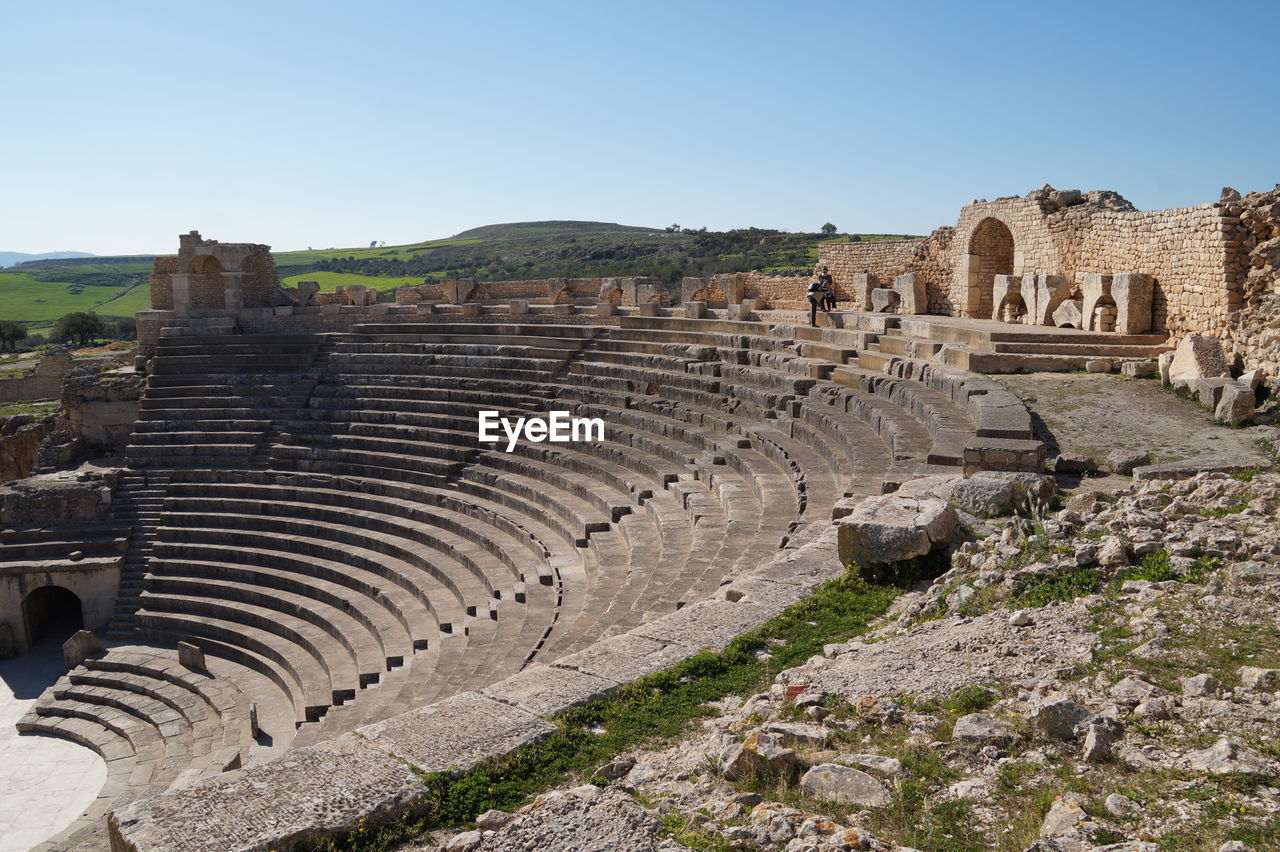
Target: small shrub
1044	589
971	699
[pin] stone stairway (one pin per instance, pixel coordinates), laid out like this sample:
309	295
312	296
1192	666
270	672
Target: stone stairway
138	502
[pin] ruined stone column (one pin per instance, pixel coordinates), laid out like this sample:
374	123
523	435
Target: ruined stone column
181	294
233	295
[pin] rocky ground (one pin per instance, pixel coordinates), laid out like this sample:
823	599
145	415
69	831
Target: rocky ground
1096	414
1102	676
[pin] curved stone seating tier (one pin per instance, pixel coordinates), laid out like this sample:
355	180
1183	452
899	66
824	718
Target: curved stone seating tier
159	726
332	531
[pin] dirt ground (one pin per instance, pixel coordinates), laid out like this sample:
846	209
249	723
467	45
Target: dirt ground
1095	413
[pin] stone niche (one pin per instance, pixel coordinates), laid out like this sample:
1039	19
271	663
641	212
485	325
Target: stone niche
1006	296
1119	303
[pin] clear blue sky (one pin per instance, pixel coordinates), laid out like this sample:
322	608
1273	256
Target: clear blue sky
333	124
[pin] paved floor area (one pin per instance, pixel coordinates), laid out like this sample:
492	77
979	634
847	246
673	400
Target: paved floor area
45	782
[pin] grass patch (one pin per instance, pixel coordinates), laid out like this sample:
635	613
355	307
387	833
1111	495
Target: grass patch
1043	589
39	408
1157	567
649	710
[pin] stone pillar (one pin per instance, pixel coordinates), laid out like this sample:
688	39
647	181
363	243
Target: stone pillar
1096	288
1132	293
733	289
911	294
1043	294
181	293
232	294
971	281
1006	293
863	284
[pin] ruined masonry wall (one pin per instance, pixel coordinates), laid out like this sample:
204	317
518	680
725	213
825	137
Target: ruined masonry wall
161	283
1185	249
885	259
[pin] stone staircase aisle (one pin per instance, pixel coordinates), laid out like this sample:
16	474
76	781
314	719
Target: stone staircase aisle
138	502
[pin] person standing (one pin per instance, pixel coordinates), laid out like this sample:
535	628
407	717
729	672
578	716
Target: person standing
816	300
828	290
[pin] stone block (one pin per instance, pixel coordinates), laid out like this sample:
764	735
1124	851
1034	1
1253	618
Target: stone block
1252	379
1097	292
695	310
606	309
912	298
315	792
1236	405
1099	365
1068	314
1198	356
649	309
519	307
1138	369
191	657
708	625
456	734
835	783
470	309
544	690
884	301
1132	293
1164	363
1044	294
1007	304
862	285
1208	391
1003	454
625	657
81	645
889	528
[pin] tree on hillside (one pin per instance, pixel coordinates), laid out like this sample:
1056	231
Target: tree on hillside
126	328
10	334
828	228
81	327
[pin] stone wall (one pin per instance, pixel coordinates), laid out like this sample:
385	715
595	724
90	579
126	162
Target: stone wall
101	408
538	291
161	280
706	290
1198	256
20	438
885	259
1254	334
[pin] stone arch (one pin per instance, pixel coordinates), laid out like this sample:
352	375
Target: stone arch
51	612
208	291
990	253
259	280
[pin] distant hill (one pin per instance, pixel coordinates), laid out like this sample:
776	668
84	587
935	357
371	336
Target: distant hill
553	228
10	258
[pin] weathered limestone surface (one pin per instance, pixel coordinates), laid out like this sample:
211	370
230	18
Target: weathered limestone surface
457	733
308	793
890	528
1198	356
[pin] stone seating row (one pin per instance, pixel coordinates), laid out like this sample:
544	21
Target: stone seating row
158	725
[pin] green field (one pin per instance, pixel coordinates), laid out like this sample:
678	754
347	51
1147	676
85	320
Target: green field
38	304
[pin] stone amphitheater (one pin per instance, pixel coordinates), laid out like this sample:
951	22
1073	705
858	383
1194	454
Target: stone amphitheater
308	575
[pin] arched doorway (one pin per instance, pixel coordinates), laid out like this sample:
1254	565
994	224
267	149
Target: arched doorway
990	254
51	612
208	292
